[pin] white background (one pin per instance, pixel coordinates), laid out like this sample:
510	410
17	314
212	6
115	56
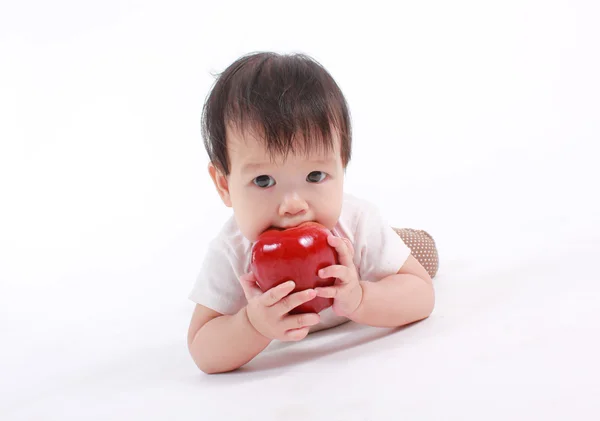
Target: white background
477	121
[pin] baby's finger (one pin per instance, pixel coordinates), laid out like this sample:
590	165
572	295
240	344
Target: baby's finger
297	321
275	294
296	334
326	292
294	300
344	249
350	248
343	273
251	289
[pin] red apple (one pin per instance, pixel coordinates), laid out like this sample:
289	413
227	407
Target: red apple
295	254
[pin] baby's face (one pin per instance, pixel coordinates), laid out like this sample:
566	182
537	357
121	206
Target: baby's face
283	193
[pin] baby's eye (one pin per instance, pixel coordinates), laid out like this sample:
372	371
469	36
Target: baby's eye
316	177
264	181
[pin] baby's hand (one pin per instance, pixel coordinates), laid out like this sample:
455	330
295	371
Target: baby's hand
268	311
347	291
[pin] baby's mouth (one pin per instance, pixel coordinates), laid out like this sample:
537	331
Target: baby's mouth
273	227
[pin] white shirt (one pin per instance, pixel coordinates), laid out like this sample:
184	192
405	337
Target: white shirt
378	252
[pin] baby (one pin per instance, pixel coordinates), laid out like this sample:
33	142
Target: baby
278	134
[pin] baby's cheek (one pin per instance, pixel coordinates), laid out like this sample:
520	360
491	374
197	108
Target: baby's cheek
250	215
335	208
250	230
330	217
254	225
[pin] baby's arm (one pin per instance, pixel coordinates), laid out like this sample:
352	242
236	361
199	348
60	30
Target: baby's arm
220	343
398	299
395	300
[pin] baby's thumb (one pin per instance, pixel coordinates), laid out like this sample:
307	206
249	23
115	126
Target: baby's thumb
251	289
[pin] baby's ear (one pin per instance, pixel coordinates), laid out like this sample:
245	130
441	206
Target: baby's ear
221	183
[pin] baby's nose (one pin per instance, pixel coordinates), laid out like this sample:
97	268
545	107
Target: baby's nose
292	205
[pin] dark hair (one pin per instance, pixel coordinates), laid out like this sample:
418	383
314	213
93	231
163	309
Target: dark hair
277	97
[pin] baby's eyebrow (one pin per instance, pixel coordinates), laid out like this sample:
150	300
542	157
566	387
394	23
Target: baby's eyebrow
324	161
252	166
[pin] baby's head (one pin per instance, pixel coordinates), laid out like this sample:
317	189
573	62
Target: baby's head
278	134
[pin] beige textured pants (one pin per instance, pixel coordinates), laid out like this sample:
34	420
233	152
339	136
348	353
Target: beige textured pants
422	246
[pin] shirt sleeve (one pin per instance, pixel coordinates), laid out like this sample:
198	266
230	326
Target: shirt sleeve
381	250
217	284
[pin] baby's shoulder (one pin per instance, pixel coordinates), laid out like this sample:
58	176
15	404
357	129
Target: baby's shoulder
354	203
355	216
355	209
230	241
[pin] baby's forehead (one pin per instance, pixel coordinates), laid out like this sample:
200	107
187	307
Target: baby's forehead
259	159
250	145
